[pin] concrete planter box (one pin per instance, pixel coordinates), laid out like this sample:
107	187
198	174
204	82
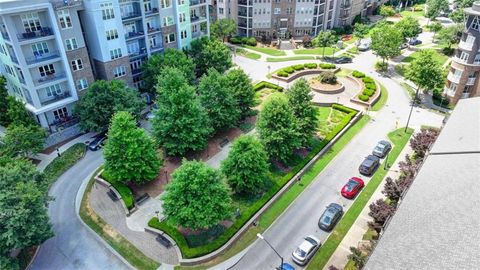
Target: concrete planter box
373	99
337	90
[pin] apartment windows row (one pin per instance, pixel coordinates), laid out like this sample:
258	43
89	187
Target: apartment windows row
31	22
107	11
116	53
165	4
302	32
111	34
119	71
53	90
77	64
261	24
64	18
304	22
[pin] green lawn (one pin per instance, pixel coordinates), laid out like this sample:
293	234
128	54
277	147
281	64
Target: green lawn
269	51
440	57
247	54
382	100
399	139
401	69
62	163
351	41
316	51
292	58
327	119
285	200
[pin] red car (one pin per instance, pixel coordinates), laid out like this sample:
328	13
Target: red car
352	187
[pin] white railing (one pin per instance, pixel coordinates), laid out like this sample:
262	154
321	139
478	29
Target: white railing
454	78
449	92
470	81
465	46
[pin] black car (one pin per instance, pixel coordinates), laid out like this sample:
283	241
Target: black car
330	217
414	41
343	60
98	142
369	165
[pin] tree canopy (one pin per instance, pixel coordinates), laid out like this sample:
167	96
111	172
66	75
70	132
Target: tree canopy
17	113
386	41
386	11
196	198
409	27
223	28
180	123
210	53
300	101
325	39
4	120
425	71
241	87
22	141
246	167
449	35
129	153
435	7
102	100
360	30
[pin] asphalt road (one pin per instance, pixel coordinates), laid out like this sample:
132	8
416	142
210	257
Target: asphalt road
73	246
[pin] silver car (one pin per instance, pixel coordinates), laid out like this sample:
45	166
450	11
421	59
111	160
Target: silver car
382	148
306	250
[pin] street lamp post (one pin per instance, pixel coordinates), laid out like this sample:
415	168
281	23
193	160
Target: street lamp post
411	108
386	162
278	254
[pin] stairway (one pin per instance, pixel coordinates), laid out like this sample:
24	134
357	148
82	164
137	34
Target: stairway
286	45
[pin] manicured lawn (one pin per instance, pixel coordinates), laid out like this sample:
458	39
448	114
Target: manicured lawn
401	69
293	58
382	100
328	118
286	199
128	251
316	51
399	139
415	14
247	54
269	51
440	57
351	41
62	163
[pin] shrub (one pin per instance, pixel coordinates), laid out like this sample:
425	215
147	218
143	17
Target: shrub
328	77
358	74
363	97
311	65
251	41
282	73
448	51
288	70
298	67
379	66
344	109
371	86
368	92
236	40
124	190
263	84
327	66
367	80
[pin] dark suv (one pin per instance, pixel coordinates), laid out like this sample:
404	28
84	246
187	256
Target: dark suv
330	217
98	142
369	165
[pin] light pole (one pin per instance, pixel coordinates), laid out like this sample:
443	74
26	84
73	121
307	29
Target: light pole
411	108
278	254
386	162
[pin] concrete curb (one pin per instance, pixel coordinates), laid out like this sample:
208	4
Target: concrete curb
174	244
106	184
301	73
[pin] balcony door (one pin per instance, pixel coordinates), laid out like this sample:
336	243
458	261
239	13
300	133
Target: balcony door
31	22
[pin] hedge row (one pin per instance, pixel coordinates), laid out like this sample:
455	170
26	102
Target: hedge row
263	84
188	252
327	66
285	72
370	87
124	190
244	40
358	74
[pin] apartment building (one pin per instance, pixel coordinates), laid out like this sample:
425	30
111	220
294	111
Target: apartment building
462	79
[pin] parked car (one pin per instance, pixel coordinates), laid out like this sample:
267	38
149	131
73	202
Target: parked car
369	165
305	251
98	142
352	187
364	45
330	217
403	46
343	60
286	266
382	148
414	41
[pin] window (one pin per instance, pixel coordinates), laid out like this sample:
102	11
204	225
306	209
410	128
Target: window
77	64
220	11
167	21
289	10
64	18
60	114
112	34
183	34
82	84
276	11
71	44
53	90
119	71
475	24
39	49
464	56
165	3
31	22
170	38
182	17
107	11
181	2
477	59
9	70
46	70
117	53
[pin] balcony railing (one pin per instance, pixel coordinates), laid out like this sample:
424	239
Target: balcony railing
151	12
156	47
465	46
454	78
198	34
50	78
136	71
197	2
131	35
243	14
40	57
55	98
470	81
449	92
63	123
57	4
130	15
245	2
197	18
5	36
153	30
142	51
22	80
44	32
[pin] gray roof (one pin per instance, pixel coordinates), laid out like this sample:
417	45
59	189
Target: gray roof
437	225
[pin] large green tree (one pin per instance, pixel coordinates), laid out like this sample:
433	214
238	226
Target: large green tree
129	153
18	114
449	35
435	7
386	11
386	41
218	100
196	198
360	30
435	27
21	140
325	39
246	167
180	123
4	120
155	65
278	128
409	27
223	28
241	87
210	53
457	16
23	214
300	101
425	71
102	100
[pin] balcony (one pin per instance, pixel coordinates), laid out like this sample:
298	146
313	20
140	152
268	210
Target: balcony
197	2
198	34
449	92
455	78
195	19
5	36
132	35
131	15
13	58
242	14
459	60
44	32
245	2
465	95
61	124
55	98
59	4
136	71
465	46
471	81
140	52
153	30
152	11
51	77
157	47
40	57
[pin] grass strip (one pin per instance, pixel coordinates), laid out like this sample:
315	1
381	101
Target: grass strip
269	51
382	100
286	199
293	58
399	138
126	249
316	51
247	54
64	162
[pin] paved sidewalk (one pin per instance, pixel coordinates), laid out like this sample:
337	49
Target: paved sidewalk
340	257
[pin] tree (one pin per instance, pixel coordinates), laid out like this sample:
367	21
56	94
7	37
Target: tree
196	198
435	7
457	16
223	28
360	30
155	65
4	120
24	220
465	3
18	114
409	27
300	101
277	128
23	141
380	211
241	87
218	100
180	123
435	27
210	53
102	100
129	152
358	258
449	35
246	167
392	190
386	11
425	71
386	41
325	39
307	41
422	141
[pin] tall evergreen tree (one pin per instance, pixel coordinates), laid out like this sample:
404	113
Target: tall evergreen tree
300	101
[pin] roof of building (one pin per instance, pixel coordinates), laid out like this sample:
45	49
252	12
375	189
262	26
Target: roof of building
437	224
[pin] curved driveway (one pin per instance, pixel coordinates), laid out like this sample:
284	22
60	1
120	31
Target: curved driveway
73	246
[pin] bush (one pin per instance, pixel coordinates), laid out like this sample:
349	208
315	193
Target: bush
367	80
263	84
448	51
363	97
327	66
62	163
358	74
371	86
282	73
379	66
328	77
368	92
236	40
251	41
344	109
298	67
311	65
124	190
289	70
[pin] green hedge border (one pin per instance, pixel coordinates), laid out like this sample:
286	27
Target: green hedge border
125	192
188	252
61	164
264	84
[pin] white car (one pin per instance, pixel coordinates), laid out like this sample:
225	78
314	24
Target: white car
364	45
306	250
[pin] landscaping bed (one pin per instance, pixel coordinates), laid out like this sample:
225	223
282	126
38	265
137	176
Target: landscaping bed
263	90
64	162
247	54
266	50
249	207
124	191
370	90
290	73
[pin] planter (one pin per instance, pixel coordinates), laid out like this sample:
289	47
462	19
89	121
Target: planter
300	73
373	99
334	89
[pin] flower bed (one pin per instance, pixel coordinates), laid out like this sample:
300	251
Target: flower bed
290	73
370	90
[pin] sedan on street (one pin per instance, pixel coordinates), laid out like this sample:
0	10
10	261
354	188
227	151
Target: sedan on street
330	217
369	165
306	250
98	142
382	148
352	187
